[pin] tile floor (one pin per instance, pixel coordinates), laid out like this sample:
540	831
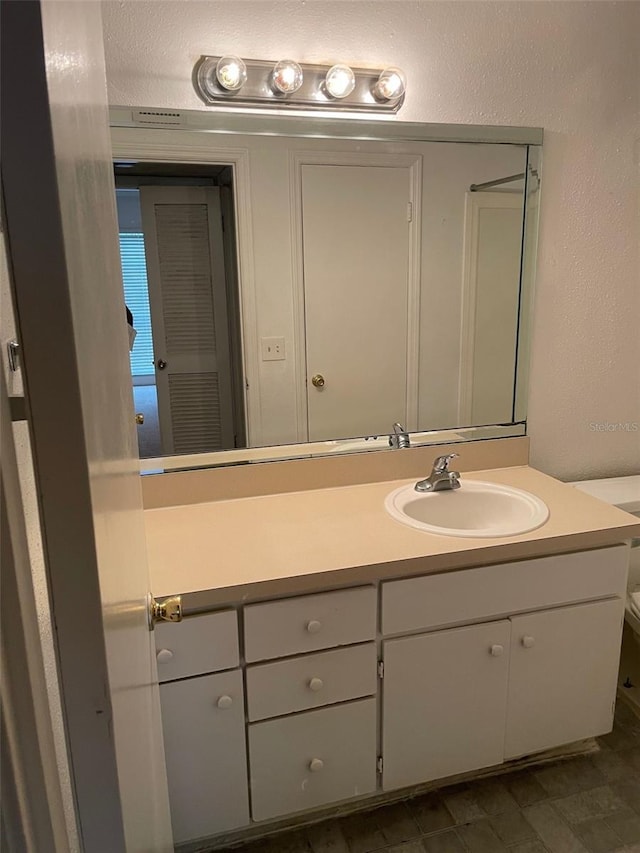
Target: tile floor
585	805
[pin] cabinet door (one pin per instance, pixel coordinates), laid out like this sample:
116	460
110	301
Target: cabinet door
203	724
563	674
444	703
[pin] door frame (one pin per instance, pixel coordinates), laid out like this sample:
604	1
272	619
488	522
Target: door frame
174	148
74	358
412	162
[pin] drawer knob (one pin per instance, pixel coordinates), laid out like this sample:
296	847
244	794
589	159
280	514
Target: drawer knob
497	650
316	684
316	765
224	702
528	642
164	655
314	626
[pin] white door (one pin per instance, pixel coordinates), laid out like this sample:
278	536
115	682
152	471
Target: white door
61	230
563	674
203	723
492	244
187	296
355	223
444	702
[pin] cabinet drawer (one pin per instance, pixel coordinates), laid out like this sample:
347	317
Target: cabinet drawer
312	759
472	594
298	684
198	644
204	742
308	623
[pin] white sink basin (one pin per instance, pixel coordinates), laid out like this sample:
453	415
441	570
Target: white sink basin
476	509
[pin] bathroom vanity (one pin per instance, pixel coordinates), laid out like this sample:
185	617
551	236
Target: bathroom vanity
334	655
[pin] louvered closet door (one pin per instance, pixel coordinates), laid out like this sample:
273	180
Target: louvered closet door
185	267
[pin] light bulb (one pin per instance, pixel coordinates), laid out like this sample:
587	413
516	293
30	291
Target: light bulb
231	73
287	76
391	84
340	81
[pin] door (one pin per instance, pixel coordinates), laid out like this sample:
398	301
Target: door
355	222
65	275
491	274
187	295
562	680
203	723
444	701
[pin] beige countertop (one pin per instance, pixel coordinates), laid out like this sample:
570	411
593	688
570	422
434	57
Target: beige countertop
260	547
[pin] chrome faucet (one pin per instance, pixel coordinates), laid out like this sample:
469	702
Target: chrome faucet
400	437
441	478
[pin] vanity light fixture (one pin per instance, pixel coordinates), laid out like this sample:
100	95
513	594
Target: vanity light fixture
231	73
391	84
229	81
340	81
287	76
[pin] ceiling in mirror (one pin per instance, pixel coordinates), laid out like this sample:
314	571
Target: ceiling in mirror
290	289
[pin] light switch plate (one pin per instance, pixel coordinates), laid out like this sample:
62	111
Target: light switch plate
272	349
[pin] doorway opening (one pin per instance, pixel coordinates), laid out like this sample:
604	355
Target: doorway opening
176	226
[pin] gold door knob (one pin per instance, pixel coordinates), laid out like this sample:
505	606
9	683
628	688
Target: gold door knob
318	380
139	418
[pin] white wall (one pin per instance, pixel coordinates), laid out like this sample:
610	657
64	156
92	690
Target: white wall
572	68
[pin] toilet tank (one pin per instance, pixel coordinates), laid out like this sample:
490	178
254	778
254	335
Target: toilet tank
623	492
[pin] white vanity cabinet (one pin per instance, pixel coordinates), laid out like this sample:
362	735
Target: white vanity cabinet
203	722
444	703
313	714
464	698
204	742
562	676
473	667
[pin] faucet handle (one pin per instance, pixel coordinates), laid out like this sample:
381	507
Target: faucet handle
441	464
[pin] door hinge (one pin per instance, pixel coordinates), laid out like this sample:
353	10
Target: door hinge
379	764
380	669
164	610
13	354
410	212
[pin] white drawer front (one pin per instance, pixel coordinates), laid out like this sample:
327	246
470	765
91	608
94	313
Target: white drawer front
312	759
308	623
489	591
204	741
298	684
198	644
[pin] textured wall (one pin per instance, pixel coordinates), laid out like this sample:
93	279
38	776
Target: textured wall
572	68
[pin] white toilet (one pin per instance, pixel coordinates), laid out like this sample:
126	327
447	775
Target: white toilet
623	492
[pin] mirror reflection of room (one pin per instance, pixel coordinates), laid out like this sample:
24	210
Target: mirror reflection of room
385	289
177	247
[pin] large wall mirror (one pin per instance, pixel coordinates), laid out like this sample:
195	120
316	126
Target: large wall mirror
301	286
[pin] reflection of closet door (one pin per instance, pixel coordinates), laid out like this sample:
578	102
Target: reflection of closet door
491	276
185	270
355	222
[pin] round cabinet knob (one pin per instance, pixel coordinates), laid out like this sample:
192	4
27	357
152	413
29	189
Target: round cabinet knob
316	684
316	765
224	702
528	642
161	364
164	655
140	418
497	650
314	626
317	381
